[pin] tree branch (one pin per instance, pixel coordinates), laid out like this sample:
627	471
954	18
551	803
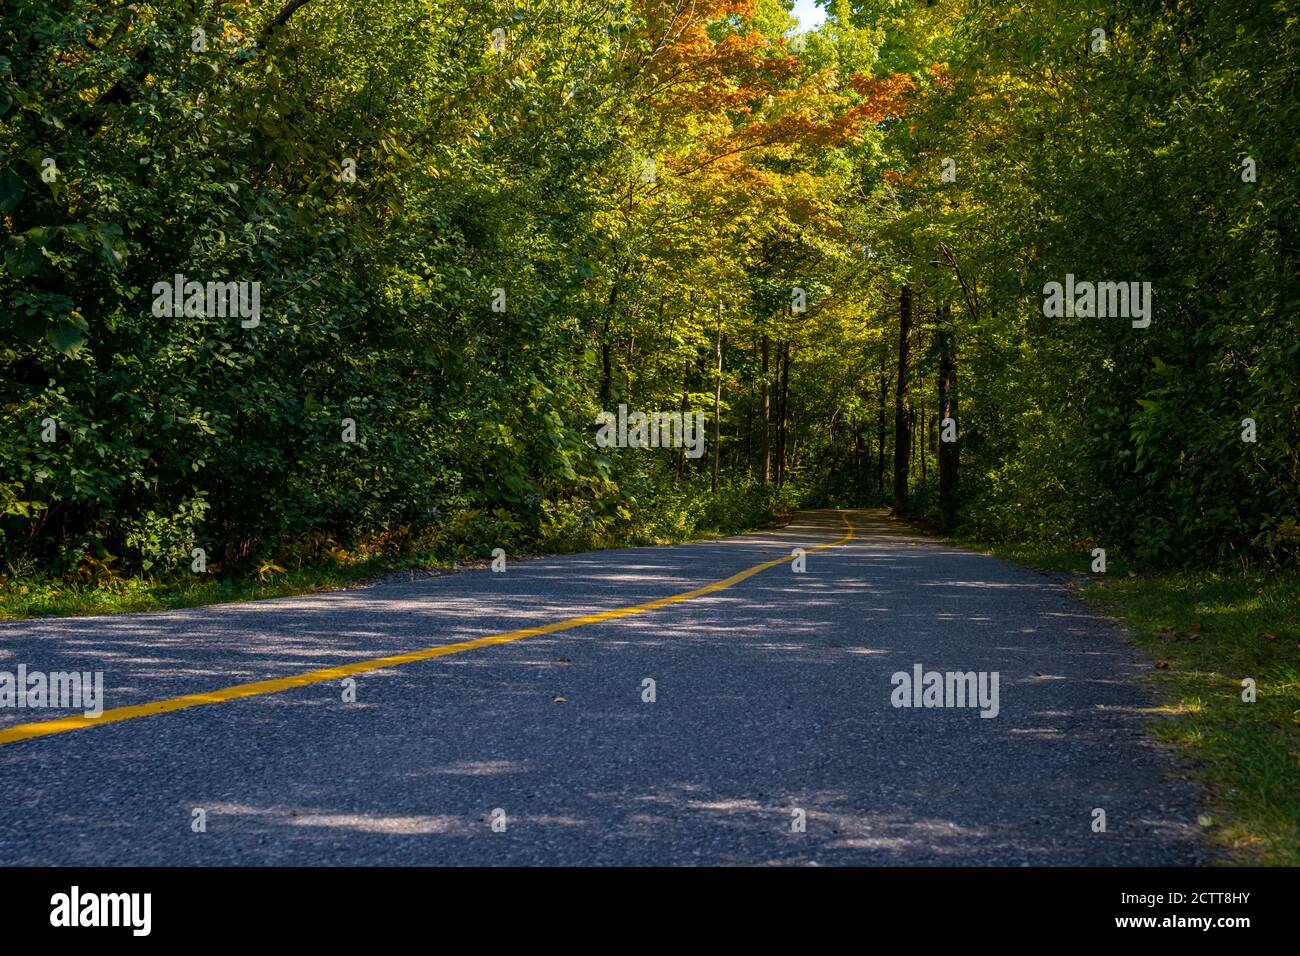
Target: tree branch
281	19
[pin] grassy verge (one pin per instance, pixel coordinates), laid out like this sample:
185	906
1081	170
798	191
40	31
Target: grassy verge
1206	632
42	596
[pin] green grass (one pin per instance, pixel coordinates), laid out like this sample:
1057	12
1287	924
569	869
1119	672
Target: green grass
1205	632
41	597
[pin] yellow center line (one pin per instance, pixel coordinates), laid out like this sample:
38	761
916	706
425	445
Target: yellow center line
256	688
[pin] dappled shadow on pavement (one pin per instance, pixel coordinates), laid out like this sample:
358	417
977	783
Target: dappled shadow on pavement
772	707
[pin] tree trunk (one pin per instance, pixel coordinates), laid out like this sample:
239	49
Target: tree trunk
784	423
765	450
920	439
607	350
881	419
629	364
778	420
860	452
911	441
717	405
751	412
902	407
947	409
681	452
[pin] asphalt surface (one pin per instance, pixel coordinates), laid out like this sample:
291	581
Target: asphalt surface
772	704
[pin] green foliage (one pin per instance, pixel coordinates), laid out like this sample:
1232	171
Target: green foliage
1115	164
135	151
128	157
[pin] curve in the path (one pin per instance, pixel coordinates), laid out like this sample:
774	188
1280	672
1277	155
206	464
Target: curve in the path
772	737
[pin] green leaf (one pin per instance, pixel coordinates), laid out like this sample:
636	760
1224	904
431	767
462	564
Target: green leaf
22	258
41	235
79	234
67	339
108	244
11	189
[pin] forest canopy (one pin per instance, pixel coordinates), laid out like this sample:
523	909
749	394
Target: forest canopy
471	228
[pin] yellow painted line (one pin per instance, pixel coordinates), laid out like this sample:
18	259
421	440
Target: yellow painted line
256	688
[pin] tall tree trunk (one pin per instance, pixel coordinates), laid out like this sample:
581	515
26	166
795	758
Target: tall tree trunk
778	419
703	372
911	441
920	439
717	405
765	450
881	418
681	452
629	364
902	407
947	409
607	349
751	412
783	464
860	452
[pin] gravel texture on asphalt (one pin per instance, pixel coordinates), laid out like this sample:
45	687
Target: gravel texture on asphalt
772	705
